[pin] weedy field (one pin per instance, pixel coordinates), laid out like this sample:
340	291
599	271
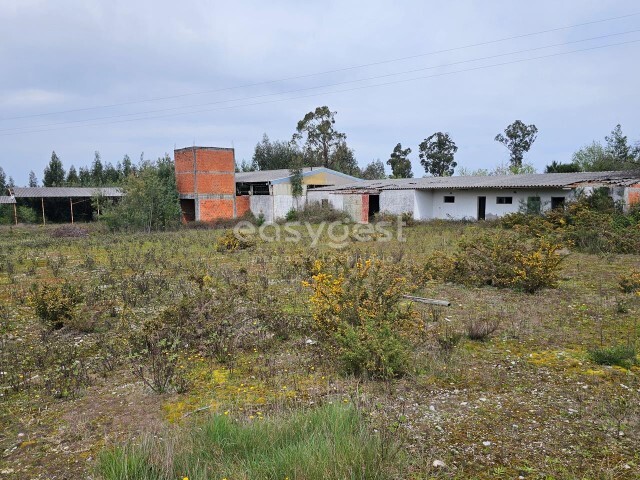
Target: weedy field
189	354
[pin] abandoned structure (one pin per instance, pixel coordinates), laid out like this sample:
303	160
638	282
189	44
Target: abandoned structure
75	201
473	197
210	188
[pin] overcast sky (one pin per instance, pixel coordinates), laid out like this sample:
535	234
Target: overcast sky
63	55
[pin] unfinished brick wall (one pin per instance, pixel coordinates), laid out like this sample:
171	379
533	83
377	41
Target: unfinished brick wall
243	205
207	175
634	195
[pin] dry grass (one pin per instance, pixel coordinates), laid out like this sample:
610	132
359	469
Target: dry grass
527	401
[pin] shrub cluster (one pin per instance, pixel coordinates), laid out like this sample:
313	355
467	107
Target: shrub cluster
360	316
592	224
230	242
503	259
55	304
630	283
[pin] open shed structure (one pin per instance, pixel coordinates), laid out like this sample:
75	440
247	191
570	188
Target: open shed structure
211	189
74	195
473	197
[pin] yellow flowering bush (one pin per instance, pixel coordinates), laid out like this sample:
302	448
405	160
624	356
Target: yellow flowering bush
630	283
503	259
230	242
359	314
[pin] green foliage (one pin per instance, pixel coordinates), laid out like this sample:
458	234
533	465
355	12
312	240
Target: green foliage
54	172
518	138
501	259
592	224
616	154
620	355
437	154
274	155
321	139
150	201
630	283
557	167
374	171
359	314
400	163
331	442
55	304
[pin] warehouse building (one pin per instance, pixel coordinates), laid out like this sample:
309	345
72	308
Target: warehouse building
473	197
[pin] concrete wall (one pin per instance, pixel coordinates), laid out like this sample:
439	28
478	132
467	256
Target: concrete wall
262	204
429	204
465	205
397	202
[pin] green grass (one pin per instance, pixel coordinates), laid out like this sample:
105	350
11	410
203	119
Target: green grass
620	355
329	442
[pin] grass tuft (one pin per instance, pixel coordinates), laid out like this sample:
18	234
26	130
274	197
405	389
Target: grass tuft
329	442
620	355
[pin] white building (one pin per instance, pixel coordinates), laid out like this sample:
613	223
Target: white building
473	197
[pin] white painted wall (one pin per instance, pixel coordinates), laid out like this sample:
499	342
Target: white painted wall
397	202
262	204
466	202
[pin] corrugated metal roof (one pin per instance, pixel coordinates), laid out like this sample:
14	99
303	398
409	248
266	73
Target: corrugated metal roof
535	180
265	175
284	173
5	200
65	192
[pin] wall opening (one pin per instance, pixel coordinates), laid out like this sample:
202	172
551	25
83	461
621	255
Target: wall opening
188	208
374	205
482	208
557	202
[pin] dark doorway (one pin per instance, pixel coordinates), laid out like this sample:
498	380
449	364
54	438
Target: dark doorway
557	202
374	205
188	207
482	207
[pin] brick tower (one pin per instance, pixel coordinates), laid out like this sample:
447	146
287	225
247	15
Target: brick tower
206	182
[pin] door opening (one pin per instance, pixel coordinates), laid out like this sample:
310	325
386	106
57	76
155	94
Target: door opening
482	207
374	205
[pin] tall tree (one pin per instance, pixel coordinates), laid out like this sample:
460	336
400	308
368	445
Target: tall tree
320	137
72	177
374	171
54	172
275	155
619	148
3	181
437	154
84	175
400	163
127	166
343	159
518	138
97	170
33	180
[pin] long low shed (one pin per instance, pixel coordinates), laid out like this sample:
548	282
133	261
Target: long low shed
473	197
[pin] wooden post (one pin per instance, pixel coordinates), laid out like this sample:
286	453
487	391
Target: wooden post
15	213
44	221
71	205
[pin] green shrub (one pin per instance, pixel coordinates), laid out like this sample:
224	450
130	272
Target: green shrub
630	283
360	316
503	259
230	242
55	304
620	355
331	442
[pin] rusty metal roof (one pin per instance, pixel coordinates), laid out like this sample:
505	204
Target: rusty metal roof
534	180
65	192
